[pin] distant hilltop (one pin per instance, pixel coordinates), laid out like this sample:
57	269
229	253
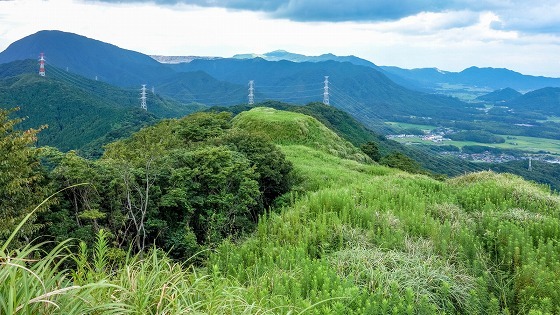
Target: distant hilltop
180	59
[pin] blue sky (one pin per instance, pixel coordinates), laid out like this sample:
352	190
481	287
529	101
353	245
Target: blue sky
451	35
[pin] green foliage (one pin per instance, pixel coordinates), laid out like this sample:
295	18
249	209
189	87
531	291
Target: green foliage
21	181
476	136
181	184
213	190
268	161
203	126
372	150
402	162
351	238
82	114
288	128
542	172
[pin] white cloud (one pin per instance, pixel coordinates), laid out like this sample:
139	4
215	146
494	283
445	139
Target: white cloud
451	40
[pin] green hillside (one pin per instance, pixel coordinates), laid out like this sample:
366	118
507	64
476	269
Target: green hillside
545	100
500	96
361	91
199	87
87	57
350	237
80	113
287	128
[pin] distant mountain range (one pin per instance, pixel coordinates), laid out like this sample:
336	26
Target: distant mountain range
279	55
178	59
490	78
370	93
356	85
282	55
545	101
362	91
423	79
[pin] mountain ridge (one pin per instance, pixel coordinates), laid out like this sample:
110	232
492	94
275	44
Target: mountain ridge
88	57
545	100
78	111
492	78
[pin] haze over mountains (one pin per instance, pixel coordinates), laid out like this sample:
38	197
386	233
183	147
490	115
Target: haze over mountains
492	78
427	79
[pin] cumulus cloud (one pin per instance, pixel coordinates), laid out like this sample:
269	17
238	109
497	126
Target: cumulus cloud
521	15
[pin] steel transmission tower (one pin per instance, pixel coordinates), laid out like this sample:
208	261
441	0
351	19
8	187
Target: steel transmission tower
42	65
326	91
143	98
251	92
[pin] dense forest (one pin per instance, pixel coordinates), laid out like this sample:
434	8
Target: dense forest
264	212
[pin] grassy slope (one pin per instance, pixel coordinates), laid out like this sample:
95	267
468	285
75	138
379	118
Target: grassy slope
374	240
287	128
365	239
80	113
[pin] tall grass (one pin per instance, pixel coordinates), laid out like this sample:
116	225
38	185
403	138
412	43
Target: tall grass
33	281
359	239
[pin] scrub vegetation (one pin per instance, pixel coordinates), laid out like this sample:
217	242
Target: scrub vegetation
269	213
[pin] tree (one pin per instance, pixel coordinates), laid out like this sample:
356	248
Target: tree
402	162
81	210
22	184
270	164
212	190
371	149
136	168
202	126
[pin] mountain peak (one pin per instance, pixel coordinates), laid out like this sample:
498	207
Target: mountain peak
277	52
280	54
69	50
500	96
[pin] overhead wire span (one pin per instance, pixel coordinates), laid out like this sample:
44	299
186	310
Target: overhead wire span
287	86
361	112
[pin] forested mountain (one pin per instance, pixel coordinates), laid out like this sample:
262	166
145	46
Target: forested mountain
200	87
279	55
500	96
425	79
14	68
80	113
545	101
492	78
362	91
87	57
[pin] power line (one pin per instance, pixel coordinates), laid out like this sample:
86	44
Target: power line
362	113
